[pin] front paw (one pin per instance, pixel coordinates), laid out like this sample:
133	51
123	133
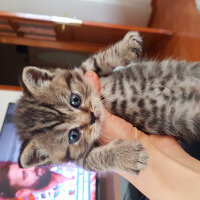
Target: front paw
130	156
131	46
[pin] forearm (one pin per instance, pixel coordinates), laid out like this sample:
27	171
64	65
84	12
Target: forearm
171	173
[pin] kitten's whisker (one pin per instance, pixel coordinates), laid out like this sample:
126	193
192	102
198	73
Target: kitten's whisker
99	142
104	136
105	101
104	98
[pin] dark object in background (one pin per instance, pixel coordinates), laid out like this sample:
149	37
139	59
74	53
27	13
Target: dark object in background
22	49
132	193
193	149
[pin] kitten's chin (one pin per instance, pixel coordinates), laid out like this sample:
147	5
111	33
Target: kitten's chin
96	129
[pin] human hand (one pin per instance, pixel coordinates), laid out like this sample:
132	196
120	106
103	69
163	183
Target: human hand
170	174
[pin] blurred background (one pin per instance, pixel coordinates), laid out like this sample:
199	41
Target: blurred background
31	34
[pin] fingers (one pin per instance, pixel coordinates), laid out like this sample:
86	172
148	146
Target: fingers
115	127
93	79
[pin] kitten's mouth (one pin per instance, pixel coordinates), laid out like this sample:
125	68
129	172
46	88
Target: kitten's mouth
93	118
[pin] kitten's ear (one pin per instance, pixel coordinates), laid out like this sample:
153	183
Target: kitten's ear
32	155
34	79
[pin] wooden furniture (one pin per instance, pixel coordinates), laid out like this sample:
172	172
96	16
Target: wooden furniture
183	18
69	34
8	87
173	31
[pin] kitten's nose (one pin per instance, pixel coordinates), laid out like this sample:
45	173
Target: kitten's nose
92	118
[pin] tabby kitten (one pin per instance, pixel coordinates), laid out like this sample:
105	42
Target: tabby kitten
59	116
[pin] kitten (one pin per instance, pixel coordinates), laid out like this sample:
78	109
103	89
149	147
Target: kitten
59	116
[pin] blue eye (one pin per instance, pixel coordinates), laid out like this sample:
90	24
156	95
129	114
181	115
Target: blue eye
74	136
75	101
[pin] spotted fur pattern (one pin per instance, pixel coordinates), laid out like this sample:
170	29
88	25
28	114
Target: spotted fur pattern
156	97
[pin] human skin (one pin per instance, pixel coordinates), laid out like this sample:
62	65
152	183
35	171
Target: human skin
171	173
25	178
55	179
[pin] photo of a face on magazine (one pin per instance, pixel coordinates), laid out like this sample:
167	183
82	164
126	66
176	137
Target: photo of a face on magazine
66	181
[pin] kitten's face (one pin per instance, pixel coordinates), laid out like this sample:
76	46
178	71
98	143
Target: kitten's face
59	117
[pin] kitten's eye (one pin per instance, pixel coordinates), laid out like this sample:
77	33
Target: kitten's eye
74	135
75	100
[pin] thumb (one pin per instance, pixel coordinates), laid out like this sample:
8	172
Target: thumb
93	80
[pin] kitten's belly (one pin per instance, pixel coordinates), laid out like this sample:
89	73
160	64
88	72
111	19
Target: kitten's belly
153	108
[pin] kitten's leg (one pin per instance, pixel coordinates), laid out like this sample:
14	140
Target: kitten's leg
120	54
128	156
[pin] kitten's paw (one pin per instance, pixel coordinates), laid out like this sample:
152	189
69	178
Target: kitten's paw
131	46
131	156
134	38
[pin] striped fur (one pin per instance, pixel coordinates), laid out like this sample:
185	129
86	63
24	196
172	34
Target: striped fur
166	97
